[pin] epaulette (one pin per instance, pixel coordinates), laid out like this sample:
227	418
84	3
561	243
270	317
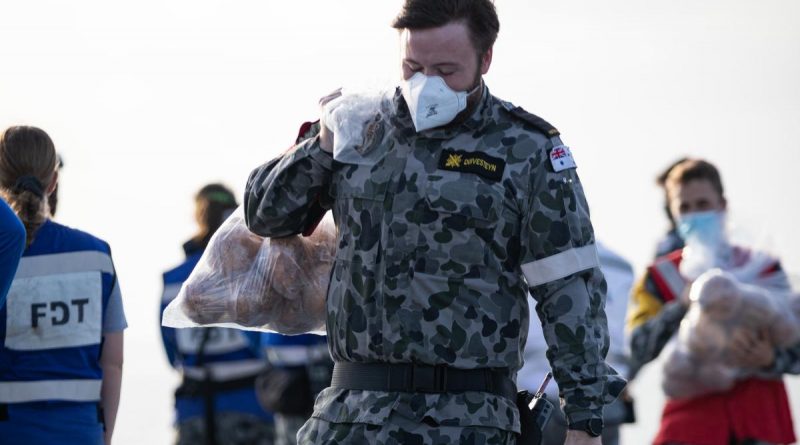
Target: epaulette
532	119
307	131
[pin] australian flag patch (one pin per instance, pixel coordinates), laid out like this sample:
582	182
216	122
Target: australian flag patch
561	158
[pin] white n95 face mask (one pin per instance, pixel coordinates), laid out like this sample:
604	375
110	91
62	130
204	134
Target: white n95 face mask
431	102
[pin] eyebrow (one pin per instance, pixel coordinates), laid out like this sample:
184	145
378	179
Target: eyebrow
438	65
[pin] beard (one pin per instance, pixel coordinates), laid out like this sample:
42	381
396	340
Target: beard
474	98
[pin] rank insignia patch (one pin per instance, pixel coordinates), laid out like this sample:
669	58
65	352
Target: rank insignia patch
472	162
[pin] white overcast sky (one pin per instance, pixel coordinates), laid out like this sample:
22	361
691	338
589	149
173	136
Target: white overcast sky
149	100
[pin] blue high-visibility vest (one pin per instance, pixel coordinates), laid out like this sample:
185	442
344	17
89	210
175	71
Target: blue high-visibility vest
51	331
217	355
294	350
12	244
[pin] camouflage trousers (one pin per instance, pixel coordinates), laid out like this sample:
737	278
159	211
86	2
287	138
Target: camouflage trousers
232	429
286	428
399	430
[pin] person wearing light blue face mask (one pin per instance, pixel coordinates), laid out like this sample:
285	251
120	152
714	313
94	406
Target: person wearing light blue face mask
700	212
699	207
660	302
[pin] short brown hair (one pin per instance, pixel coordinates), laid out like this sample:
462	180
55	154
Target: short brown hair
693	170
479	16
661	181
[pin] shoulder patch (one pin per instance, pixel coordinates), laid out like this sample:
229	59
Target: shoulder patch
561	158
539	123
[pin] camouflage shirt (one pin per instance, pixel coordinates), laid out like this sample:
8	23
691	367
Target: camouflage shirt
442	234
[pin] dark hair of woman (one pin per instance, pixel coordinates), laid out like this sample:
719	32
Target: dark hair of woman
28	163
213	204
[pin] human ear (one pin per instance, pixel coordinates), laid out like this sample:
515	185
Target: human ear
486	61
53	184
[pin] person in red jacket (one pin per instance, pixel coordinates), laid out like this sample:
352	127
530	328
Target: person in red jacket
756	410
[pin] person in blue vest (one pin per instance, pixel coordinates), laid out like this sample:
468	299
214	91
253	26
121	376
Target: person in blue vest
61	329
300	368
216	402
12	244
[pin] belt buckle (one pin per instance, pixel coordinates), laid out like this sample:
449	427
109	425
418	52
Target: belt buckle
429	379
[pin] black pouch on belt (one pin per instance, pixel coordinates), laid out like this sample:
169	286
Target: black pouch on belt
530	433
534	413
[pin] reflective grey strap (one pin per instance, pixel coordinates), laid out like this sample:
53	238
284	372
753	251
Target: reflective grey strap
296	355
671	275
72	390
62	263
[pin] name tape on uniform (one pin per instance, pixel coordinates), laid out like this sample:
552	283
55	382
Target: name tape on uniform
472	162
54	311
561	158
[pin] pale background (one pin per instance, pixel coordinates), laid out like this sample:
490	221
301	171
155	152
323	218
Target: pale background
149	100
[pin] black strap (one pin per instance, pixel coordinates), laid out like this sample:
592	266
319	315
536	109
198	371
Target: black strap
406	377
101	416
537	122
29	183
3	412
196	388
207	390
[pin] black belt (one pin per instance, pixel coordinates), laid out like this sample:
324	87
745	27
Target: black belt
406	377
196	388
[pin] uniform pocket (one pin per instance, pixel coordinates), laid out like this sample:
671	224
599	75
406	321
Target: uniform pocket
460	227
353	300
463	203
461	322
360	199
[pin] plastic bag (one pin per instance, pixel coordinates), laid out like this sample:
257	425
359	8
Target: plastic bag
268	284
698	360
357	120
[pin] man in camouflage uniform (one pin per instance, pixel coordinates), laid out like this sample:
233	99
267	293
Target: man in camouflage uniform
442	232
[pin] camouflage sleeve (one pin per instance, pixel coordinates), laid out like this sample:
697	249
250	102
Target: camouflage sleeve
560	264
651	322
287	195
649	338
787	361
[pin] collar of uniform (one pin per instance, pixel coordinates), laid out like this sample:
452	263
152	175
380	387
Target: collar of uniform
478	119
192	247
